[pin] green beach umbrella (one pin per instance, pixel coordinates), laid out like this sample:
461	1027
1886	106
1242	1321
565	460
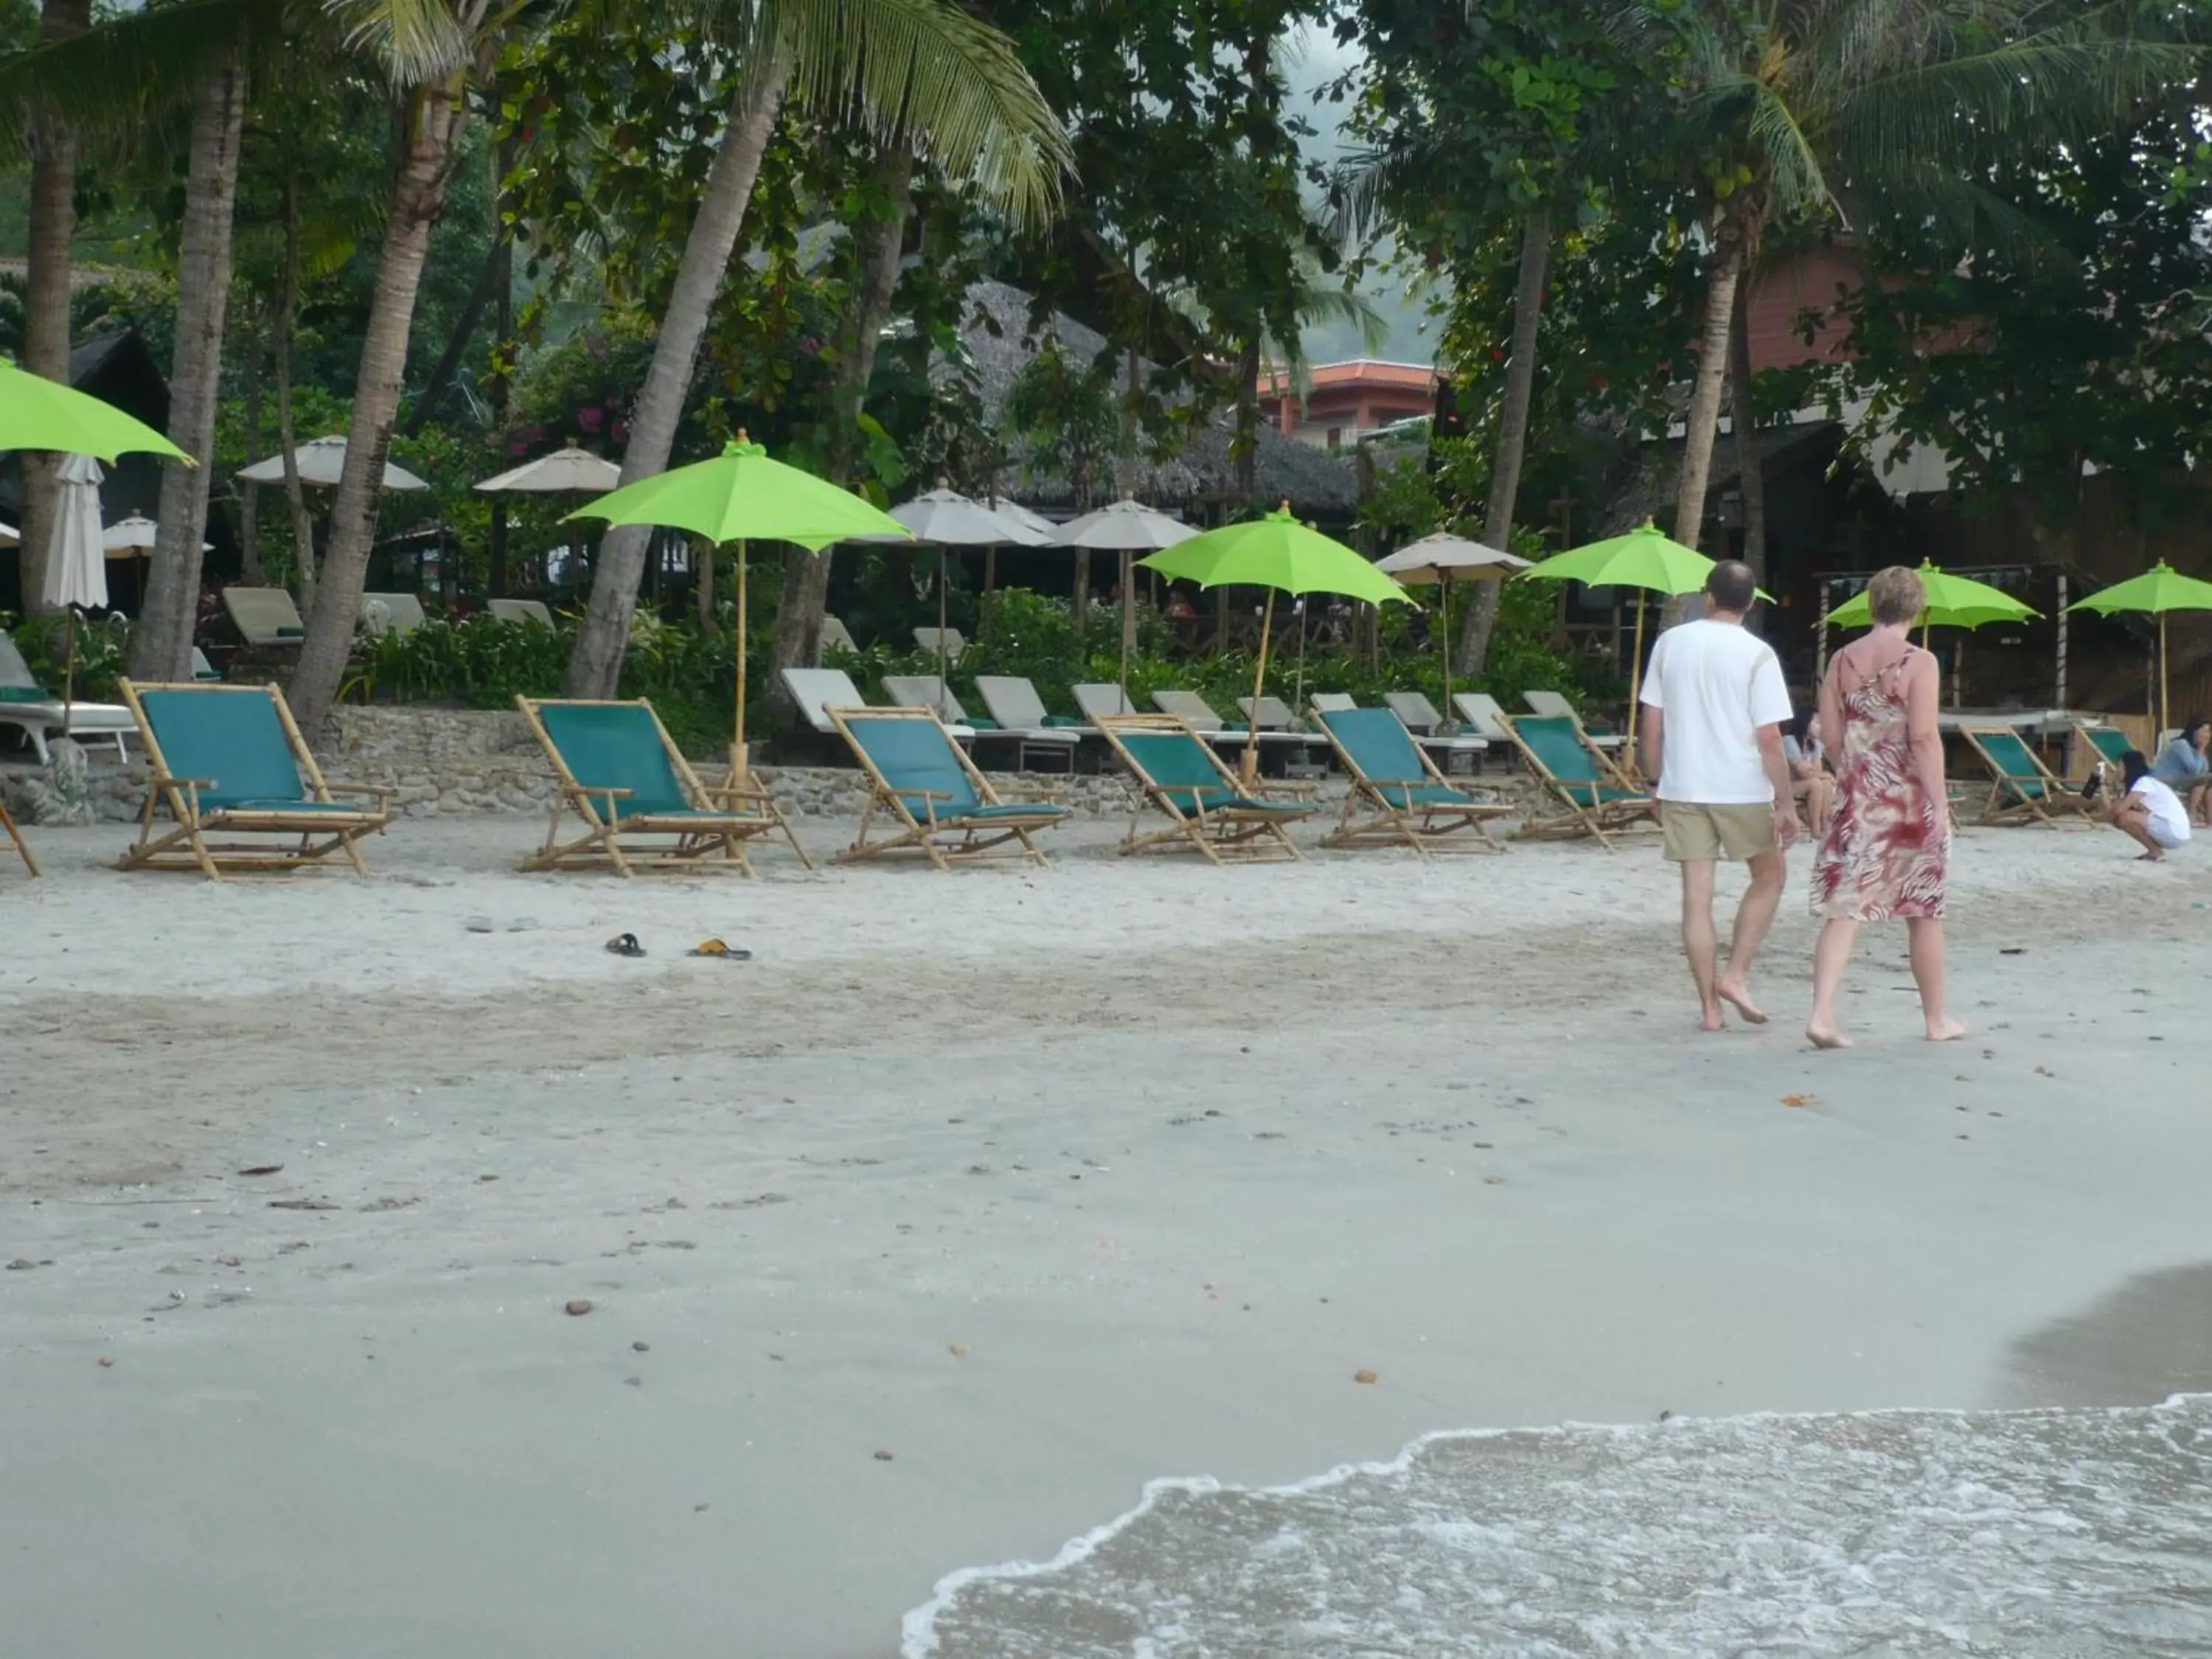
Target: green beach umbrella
2156	592
1952	601
1646	559
1284	557
742	495
36	413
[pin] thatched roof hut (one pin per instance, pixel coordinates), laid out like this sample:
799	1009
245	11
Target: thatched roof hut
999	344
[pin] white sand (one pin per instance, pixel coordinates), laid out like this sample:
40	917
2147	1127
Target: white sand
1045	1183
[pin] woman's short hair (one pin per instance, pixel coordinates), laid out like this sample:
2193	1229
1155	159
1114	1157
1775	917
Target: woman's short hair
1895	595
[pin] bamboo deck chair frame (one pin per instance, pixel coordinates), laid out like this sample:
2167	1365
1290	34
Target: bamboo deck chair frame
990	828
11	838
710	830
2035	794
1605	801
1421	811
2106	744
317	824
1218	818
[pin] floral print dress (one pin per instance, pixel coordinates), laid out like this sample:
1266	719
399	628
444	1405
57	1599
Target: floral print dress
1882	857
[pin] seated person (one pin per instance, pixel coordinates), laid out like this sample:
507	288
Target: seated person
2147	812
1811	784
2185	768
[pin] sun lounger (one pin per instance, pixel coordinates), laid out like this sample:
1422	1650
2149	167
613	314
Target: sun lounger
926	639
521	611
1332	702
938	803
1181	774
1397	794
1480	713
1268	714
2022	789
818	691
1554	705
1580	779
1097	702
1014	703
1032	739
1420	717
228	760
644	807
1197	713
833	633
390	613
202	668
266	617
38	714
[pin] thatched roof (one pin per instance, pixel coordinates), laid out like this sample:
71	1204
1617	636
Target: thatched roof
1312	481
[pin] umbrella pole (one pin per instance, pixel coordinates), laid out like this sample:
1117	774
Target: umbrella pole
68	671
1128	574
1443	630
944	684
1251	767
1636	688
737	746
2163	721
1298	693
990	584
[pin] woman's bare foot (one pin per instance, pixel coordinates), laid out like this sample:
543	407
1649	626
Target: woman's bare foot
1738	997
1825	1037
1946	1029
2151	858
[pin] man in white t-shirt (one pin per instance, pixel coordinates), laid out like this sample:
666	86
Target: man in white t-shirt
1714	708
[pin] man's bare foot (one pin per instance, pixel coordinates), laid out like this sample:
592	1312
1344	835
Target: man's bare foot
1825	1037
1714	1019
1739	998
1947	1030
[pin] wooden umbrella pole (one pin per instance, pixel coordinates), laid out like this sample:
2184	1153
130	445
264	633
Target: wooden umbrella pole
1251	767
2164	710
944	681
1443	610
1128	573
738	743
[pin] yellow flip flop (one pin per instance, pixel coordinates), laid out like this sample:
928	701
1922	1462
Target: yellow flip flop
714	947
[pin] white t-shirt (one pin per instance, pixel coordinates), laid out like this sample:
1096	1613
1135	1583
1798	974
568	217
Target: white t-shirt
1718	684
2169	818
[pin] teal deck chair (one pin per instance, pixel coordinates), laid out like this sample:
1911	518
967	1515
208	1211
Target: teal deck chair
1397	794
644	810
1208	808
937	802
1592	795
229	761
2022	789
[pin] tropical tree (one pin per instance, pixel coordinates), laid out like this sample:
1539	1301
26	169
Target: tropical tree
919	71
1798	110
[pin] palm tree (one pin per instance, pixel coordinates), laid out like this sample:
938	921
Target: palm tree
1795	109
918	70
432	51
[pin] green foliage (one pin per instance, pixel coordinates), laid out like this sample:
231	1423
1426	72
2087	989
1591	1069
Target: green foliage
103	652
1065	409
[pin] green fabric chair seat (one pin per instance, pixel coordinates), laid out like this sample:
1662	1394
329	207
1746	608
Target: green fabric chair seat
1222	800
1602	794
990	814
1410	799
617	745
2111	745
916	755
2016	765
1556	742
232	738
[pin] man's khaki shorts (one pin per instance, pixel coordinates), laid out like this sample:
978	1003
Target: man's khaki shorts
1698	834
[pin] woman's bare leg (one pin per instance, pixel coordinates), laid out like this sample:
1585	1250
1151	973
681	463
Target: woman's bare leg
2132	819
1831	954
1926	937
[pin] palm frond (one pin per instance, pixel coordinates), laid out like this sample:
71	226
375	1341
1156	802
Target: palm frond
413	41
926	71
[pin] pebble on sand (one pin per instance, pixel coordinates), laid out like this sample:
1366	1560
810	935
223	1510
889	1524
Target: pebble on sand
1365	1377
577	1306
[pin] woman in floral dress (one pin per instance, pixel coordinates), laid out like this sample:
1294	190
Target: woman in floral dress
1887	849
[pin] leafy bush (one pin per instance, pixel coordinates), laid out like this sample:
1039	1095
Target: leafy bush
103	651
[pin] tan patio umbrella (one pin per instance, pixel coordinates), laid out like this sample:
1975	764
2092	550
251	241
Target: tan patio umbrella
1126	527
1437	561
948	519
321	462
568	472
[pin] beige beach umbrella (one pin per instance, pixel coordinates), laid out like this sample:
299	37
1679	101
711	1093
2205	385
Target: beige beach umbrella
1437	561
1128	527
945	518
321	462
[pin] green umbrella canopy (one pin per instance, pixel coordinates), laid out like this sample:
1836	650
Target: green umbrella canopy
1952	601
2156	591
36	413
1646	557
743	496
1277	552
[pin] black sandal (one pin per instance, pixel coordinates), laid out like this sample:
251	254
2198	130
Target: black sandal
625	944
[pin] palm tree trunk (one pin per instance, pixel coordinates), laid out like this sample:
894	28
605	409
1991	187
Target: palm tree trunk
161	647
1512	430
806	575
46	297
1247	419
1753	474
249	495
287	434
595	668
1701	426
436	118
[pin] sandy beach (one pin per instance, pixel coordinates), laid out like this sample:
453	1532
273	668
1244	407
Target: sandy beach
926	1237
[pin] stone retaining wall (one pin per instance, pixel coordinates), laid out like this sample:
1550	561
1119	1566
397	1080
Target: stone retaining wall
442	761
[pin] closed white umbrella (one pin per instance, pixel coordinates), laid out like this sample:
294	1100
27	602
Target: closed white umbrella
321	462
77	564
1440	560
1128	527
135	535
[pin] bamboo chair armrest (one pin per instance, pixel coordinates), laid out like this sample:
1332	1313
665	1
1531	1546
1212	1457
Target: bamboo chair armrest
381	792
161	780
